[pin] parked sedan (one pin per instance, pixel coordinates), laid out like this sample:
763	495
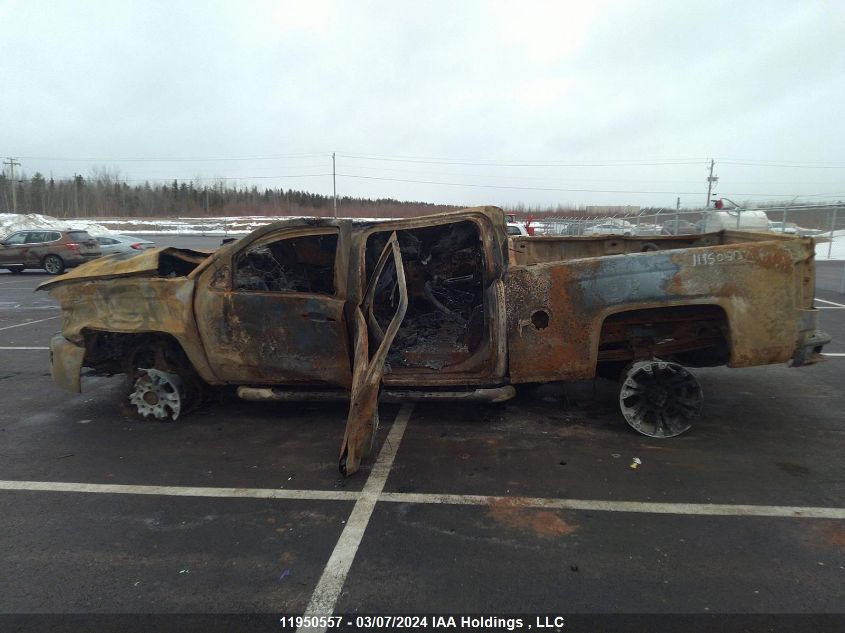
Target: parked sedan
610	228
111	244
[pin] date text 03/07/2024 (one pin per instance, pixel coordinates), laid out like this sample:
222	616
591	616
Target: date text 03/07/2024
389	622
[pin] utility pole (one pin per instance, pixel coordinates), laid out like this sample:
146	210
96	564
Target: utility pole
677	214
711	180
76	196
11	163
334	185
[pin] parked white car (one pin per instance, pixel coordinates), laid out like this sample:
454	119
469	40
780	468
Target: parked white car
515	228
647	229
610	228
111	244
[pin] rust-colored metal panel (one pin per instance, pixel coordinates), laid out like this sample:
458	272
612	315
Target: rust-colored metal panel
273	338
131	305
555	311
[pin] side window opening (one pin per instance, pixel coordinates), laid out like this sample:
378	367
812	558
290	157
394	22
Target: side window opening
36	237
295	264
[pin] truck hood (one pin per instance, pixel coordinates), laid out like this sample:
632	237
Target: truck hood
157	262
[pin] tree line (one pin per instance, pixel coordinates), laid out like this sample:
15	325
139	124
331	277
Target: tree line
105	195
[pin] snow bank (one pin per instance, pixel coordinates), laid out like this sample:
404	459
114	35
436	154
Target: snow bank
11	222
837	248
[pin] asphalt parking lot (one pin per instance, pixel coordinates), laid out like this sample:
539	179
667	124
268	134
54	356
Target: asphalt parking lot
530	506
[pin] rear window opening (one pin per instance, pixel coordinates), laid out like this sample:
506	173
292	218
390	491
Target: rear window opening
444	325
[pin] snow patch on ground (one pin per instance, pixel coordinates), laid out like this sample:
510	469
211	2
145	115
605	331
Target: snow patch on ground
241	225
836	248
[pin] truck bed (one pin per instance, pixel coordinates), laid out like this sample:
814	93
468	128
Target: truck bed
729	298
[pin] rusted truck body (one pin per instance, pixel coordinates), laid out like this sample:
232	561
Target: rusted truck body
443	306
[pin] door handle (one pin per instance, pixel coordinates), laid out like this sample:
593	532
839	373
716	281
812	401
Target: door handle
319	317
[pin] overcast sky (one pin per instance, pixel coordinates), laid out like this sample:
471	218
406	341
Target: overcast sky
546	102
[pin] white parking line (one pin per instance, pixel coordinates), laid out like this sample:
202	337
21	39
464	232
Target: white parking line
328	589
832	354
647	507
695	509
181	491
1	348
9	327
833	303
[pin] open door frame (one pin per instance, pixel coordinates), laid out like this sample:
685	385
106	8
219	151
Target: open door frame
368	370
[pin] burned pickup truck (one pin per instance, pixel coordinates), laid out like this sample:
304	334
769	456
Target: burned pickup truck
444	306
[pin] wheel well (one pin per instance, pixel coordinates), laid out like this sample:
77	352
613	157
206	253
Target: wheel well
117	352
695	335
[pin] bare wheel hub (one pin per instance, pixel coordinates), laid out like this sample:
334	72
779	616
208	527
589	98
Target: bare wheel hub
158	394
660	399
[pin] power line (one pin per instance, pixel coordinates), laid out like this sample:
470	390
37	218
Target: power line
492	163
536	178
438	158
788	165
475	185
482	186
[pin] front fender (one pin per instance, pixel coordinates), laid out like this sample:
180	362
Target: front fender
66	363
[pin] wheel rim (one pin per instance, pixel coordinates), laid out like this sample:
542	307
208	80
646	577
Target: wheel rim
52	264
157	394
660	399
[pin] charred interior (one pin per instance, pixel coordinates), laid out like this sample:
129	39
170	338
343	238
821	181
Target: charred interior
178	263
696	336
292	264
445	323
